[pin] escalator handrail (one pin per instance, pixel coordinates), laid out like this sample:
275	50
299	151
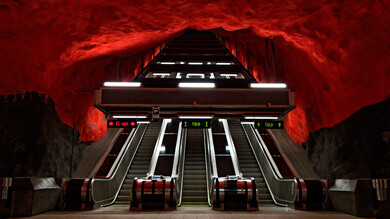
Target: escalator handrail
269	156
177	151
282	190
105	190
233	153
180	176
211	164
156	152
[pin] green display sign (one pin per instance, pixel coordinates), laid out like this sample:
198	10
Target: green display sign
196	123
269	124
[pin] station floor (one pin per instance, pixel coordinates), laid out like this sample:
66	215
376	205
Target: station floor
195	212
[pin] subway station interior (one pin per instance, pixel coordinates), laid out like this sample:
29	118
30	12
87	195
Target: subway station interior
220	109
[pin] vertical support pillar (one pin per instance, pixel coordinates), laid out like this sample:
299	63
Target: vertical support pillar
266	60
273	61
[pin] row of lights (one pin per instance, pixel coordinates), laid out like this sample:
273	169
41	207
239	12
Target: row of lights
195	85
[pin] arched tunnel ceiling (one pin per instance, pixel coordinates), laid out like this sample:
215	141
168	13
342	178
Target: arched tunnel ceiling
335	54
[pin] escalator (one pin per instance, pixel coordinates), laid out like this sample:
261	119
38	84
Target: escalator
194	185
228	189
248	164
141	162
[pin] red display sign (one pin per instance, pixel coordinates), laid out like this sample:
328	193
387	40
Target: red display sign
121	123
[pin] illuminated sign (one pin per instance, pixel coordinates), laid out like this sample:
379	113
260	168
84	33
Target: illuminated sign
121	123
269	124
196	123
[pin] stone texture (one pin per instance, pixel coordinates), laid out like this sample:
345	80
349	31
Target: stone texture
35	142
358	147
335	54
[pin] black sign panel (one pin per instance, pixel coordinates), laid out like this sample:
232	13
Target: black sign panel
121	123
196	123
269	124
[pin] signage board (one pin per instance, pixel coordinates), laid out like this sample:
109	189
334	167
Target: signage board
196	123
269	124
121	123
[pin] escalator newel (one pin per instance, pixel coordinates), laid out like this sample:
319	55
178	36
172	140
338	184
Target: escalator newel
311	195
154	193
234	192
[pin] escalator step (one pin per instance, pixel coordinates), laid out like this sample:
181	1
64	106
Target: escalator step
196	187
194	177
193	193
194	198
194	183
201	172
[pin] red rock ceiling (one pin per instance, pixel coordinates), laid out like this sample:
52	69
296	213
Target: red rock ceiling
335	54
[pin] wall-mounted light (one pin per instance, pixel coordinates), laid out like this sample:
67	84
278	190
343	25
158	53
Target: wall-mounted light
143	122
268	85
195	117
167	63
247	123
196	85
122	84
195	63
261	117
129	117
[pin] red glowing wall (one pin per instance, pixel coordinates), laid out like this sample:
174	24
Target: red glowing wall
336	55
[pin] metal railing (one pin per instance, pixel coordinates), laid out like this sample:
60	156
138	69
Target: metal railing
157	147
211	163
283	190
105	190
232	148
178	163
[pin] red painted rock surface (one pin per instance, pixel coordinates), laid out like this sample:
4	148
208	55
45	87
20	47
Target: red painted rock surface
336	55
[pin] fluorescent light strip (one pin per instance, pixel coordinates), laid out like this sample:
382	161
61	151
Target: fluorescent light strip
195	63
201	75
182	63
129	117
143	122
223	63
209	63
162	74
261	117
268	85
228	75
122	84
167	63
247	123
196	85
178	75
212	76
195	117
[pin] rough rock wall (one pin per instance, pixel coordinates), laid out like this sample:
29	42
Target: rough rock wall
336	54
358	147
34	141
